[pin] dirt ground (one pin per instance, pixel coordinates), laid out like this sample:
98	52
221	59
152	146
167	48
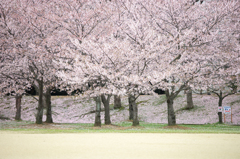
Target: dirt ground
15	145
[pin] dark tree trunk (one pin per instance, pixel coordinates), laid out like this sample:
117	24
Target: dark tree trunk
106	108
98	111
18	107
220	117
170	97
220	99
117	102
48	106
171	113
132	101
189	99
40	103
130	109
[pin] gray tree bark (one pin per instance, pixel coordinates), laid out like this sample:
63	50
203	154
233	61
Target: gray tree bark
47	98
189	99
220	100
171	113
117	102
130	109
18	107
39	115
106	108
132	102
170	97
98	111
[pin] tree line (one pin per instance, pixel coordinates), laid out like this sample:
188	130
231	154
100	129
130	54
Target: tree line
119	47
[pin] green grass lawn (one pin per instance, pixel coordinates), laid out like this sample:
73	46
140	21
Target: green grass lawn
124	127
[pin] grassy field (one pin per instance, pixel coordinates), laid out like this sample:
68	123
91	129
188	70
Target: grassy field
119	145
74	137
27	140
123	127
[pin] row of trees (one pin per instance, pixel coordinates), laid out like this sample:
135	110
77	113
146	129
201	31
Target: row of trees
117	48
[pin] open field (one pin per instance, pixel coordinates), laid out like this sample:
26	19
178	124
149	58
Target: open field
118	146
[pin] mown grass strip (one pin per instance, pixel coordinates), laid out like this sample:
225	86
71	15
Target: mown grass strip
126	127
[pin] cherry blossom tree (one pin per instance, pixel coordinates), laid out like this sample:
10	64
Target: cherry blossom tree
12	62
220	73
43	48
33	52
157	41
187	30
80	20
122	47
220	81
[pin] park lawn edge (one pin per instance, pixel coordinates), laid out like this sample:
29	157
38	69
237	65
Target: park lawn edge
57	131
127	128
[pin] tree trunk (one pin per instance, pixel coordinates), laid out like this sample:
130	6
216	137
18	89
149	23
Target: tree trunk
189	99
130	109
234	89
107	109
132	100
48	106
185	91
171	113
220	99
40	103
18	107
98	111
117	102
